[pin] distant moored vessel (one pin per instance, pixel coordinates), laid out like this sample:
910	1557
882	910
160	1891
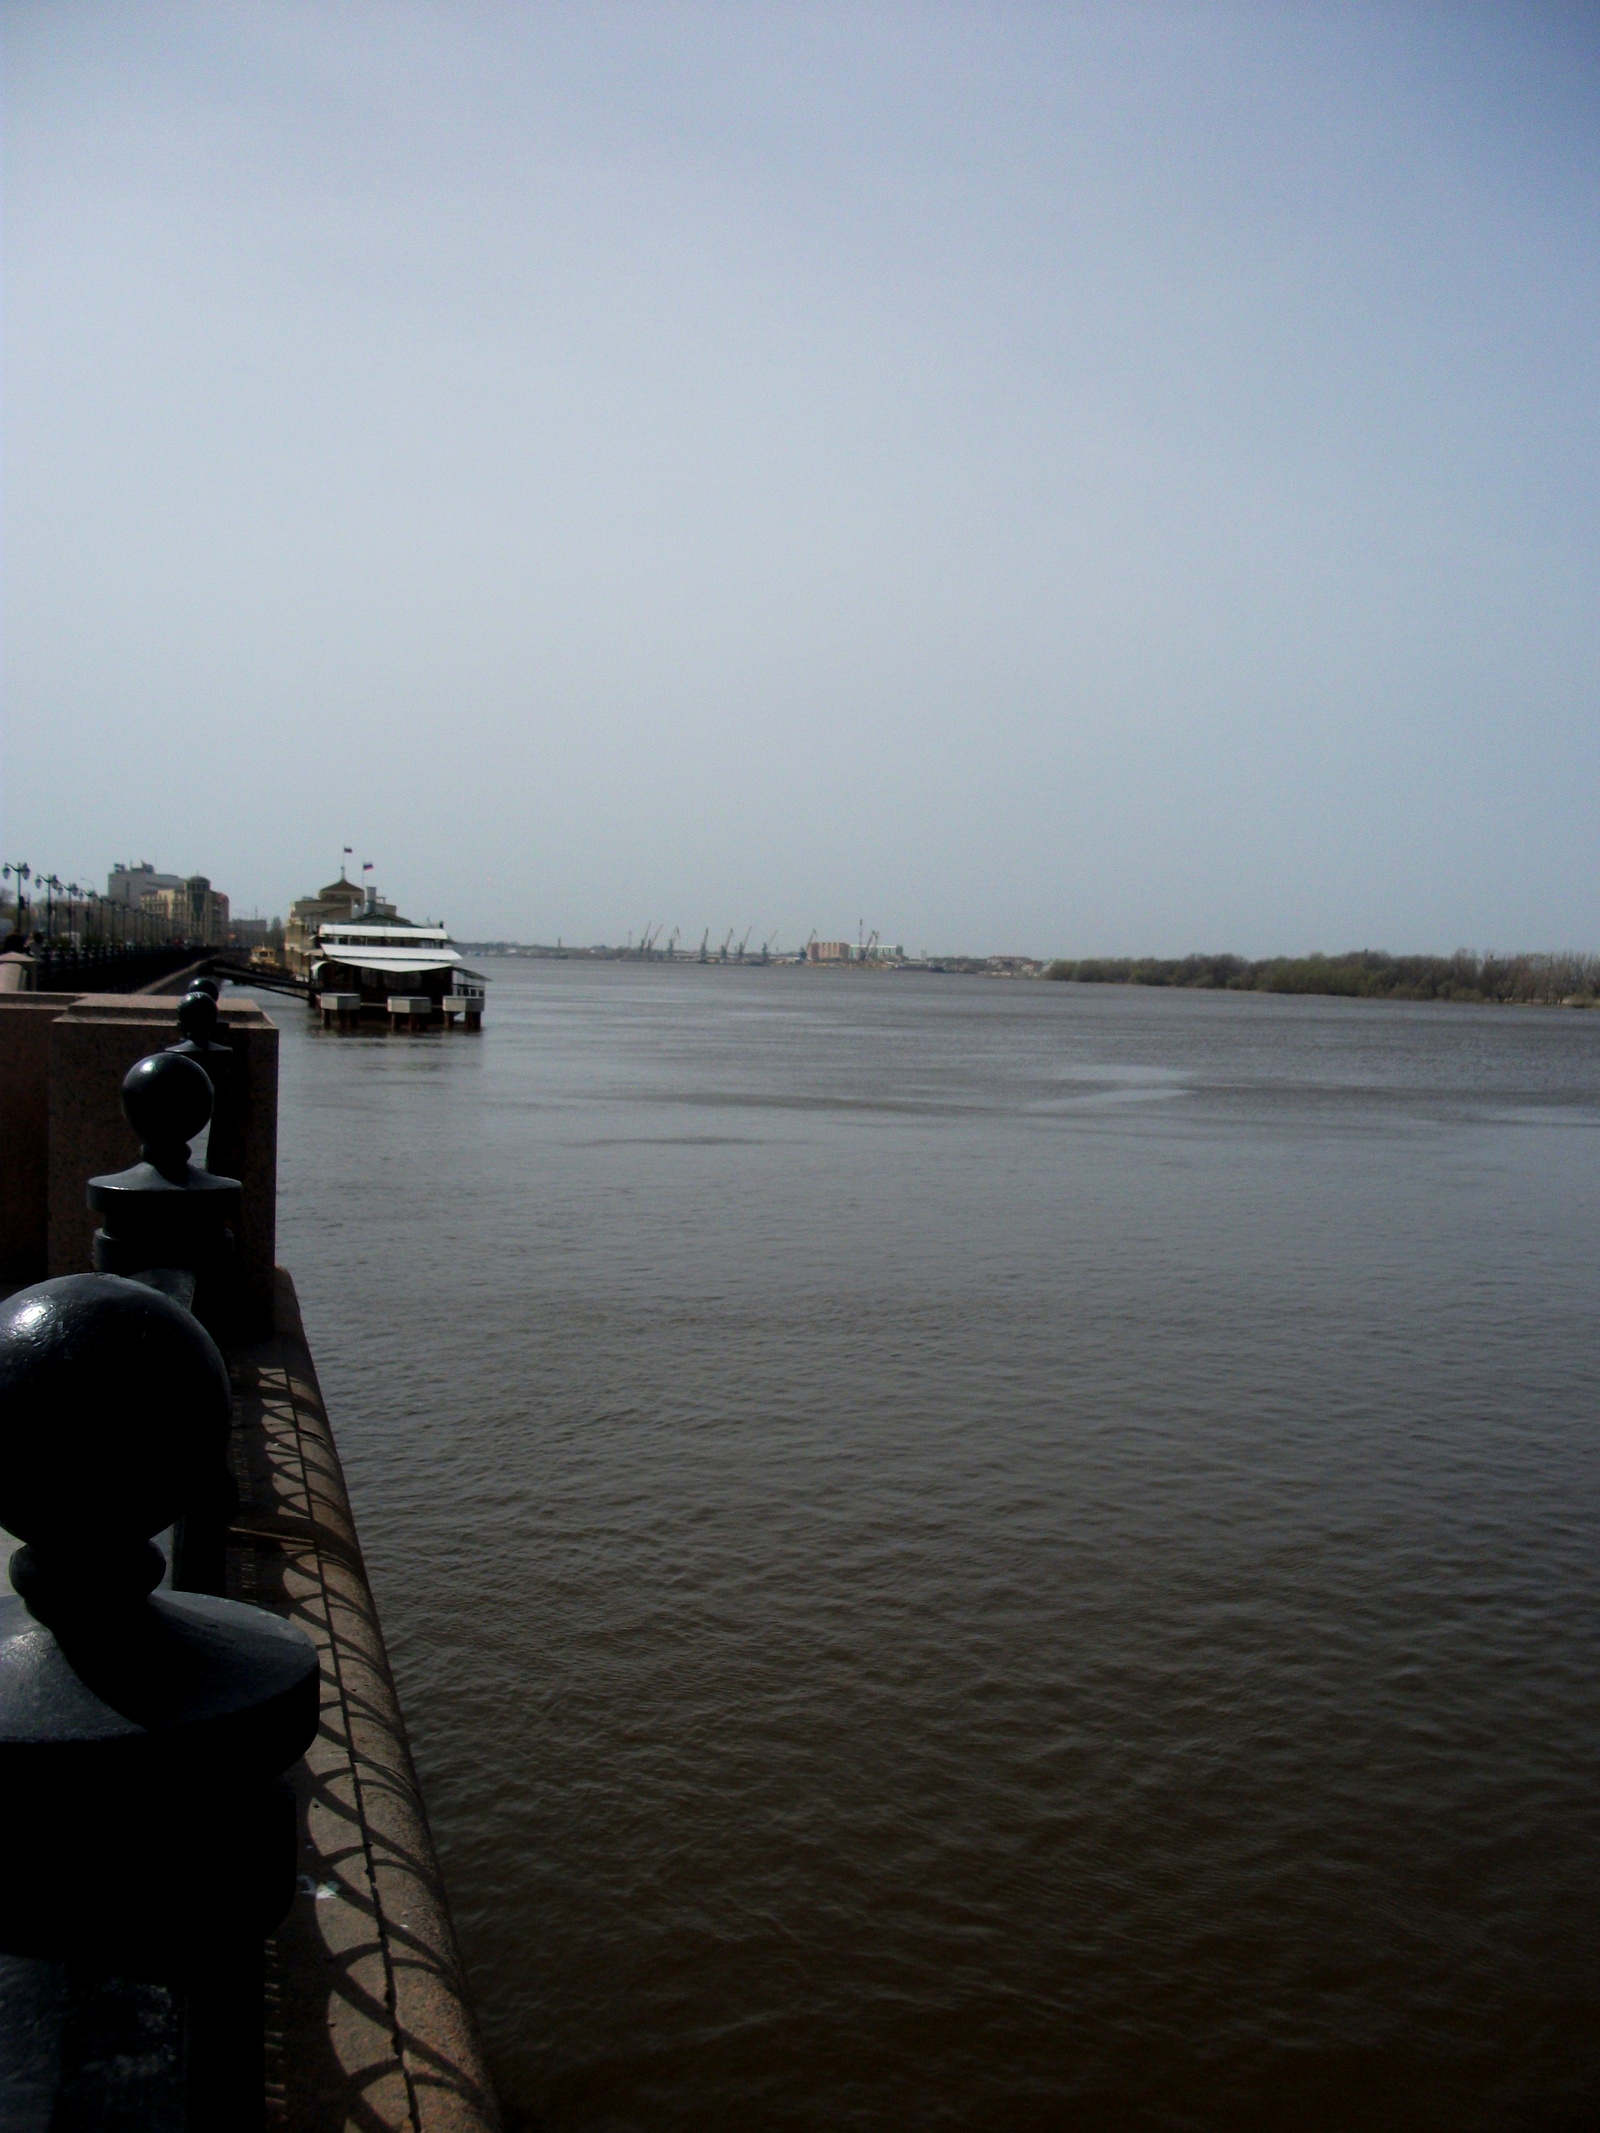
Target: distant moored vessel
363	961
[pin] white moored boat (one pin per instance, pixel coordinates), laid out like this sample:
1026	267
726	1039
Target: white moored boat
373	961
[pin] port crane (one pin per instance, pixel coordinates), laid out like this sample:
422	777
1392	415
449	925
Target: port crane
672	945
704	939
722	952
745	942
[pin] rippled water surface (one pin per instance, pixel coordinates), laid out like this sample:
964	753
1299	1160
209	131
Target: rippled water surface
983	1554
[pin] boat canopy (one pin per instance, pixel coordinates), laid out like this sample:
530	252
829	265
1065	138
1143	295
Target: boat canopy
385	949
391	961
378	934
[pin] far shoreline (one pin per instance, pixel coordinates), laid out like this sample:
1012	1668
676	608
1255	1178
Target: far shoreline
1465	979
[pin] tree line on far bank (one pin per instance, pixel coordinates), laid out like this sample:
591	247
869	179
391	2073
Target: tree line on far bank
1363	973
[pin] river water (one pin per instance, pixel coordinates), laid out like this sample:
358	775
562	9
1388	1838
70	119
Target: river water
981	1554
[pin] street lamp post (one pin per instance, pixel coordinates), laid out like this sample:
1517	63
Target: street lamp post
21	873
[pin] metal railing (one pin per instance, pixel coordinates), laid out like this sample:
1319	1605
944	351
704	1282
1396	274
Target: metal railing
107	966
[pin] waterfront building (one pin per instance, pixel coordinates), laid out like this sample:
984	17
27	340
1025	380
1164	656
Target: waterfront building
129	884
186	903
193	908
338	900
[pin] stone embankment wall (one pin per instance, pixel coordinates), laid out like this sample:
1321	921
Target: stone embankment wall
368	2022
62	1059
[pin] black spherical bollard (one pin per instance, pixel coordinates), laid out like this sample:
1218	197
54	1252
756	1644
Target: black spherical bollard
198	1017
197	1020
171	1221
165	1211
113	1405
113	1400
167	1100
142	1732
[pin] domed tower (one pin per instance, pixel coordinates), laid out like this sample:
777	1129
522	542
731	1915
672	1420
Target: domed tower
337	901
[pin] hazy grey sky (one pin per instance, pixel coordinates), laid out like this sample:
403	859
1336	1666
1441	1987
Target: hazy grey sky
1113	477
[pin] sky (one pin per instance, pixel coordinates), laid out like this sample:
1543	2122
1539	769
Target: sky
1045	479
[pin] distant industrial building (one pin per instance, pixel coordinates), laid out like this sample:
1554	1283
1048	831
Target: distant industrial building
829	952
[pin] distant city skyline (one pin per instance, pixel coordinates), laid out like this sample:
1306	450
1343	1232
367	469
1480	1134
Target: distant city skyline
1068	481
